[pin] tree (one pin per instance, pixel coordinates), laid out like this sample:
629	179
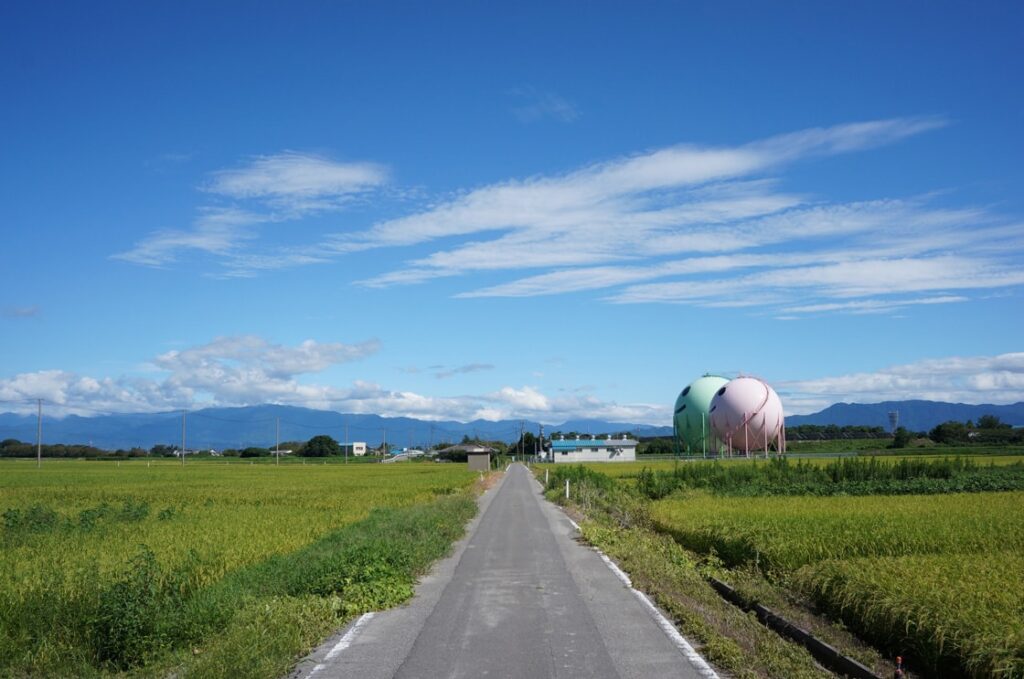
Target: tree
253	451
659	446
900	438
949	432
321	446
526	444
992	422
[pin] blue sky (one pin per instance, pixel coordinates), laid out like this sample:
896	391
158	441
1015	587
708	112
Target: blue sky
550	210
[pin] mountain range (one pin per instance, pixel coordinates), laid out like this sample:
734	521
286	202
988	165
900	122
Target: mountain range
914	415
257	425
220	428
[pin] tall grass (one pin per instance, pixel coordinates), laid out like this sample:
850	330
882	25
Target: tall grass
845	476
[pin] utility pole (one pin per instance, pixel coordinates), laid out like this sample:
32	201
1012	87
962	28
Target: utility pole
384	442
183	438
277	446
522	444
346	442
431	438
540	441
39	435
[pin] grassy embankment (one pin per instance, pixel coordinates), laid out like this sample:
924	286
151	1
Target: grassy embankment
208	570
938	578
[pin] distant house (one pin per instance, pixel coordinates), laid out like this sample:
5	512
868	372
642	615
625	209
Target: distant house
593	450
356	448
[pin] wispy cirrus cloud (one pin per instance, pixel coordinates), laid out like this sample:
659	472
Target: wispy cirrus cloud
685	224
266	189
466	369
690	225
21	312
535	105
650	192
297	181
971	379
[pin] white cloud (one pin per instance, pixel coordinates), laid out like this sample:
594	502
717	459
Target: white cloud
974	379
866	277
227	371
275	188
247	370
527	398
872	306
297	180
218	231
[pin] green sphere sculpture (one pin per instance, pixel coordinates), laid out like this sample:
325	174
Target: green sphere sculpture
691	422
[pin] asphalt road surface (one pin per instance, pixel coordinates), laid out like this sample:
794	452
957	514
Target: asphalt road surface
519	597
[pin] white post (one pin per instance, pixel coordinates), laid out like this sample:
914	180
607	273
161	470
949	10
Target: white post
703	437
545	478
765	427
567	489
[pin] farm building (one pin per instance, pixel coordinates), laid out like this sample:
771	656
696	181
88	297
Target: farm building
356	448
478	457
593	450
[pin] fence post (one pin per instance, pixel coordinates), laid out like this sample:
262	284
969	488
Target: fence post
545	478
567	489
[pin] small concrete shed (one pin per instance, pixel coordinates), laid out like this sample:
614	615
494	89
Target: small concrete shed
478	457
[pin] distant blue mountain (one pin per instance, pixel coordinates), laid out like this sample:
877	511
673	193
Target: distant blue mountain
256	426
914	415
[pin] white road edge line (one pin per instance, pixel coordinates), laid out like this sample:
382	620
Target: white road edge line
700	664
343	643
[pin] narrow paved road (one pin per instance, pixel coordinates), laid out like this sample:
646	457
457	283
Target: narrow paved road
519	597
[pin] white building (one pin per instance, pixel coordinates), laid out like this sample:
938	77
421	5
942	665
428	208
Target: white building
594	450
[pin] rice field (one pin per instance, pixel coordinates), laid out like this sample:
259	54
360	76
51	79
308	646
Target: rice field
964	607
632	469
940	576
73	532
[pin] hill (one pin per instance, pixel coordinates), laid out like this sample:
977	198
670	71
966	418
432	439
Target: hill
914	415
256	426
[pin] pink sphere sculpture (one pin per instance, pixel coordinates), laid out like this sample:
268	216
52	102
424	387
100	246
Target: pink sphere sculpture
746	414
